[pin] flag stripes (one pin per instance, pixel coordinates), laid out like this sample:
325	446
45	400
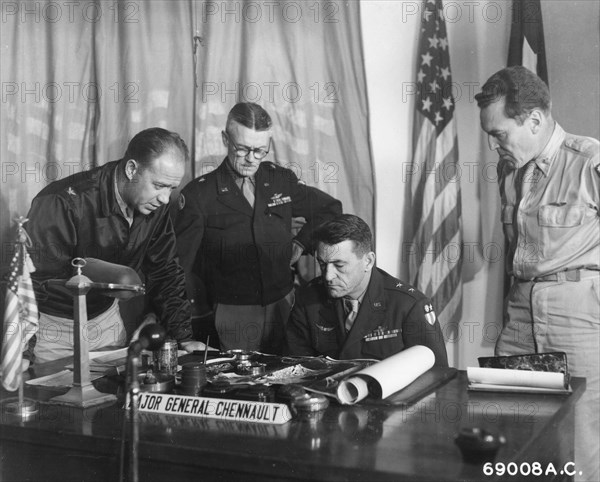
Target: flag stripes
20	316
436	246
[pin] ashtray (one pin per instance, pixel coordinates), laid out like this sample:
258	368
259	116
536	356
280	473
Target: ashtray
250	369
309	403
156	382
242	356
478	445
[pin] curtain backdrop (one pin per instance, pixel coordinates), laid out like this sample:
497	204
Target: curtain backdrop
303	63
80	79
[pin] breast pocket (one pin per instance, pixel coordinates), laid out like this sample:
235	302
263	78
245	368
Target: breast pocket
561	215
224	221
280	217
325	339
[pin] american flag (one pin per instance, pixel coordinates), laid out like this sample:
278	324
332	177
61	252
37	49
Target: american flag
20	314
436	247
526	45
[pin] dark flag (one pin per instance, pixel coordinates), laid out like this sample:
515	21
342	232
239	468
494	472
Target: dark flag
526	45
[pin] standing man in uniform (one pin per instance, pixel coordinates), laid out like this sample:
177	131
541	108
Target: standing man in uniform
356	310
550	191
234	234
116	213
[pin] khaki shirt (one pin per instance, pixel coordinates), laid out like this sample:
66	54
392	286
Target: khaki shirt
556	225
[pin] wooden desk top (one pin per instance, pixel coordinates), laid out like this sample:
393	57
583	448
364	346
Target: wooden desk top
366	442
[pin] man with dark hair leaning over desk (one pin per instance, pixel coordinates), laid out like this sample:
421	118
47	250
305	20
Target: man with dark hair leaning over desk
356	310
116	213
550	191
234	234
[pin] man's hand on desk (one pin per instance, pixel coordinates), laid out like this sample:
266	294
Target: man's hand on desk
192	345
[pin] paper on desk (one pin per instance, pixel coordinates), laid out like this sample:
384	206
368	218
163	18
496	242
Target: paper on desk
386	377
108	356
516	378
63	378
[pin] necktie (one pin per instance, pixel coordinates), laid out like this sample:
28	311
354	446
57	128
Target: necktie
248	190
351	307
530	178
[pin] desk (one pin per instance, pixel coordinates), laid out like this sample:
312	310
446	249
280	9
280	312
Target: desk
362	443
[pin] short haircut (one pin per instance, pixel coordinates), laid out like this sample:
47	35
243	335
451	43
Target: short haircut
343	228
250	115
522	90
151	143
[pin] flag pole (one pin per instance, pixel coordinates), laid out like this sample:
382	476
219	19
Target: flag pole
20	407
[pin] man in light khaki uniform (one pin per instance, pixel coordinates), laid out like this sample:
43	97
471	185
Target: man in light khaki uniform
550	190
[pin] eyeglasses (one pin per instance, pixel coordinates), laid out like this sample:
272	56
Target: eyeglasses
243	151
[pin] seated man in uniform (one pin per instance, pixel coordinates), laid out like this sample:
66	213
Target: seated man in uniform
116	213
356	310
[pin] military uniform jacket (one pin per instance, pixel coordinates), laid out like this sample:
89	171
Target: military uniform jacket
551	212
240	254
393	316
79	216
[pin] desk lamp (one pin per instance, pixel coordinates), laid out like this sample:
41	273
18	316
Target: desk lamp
112	280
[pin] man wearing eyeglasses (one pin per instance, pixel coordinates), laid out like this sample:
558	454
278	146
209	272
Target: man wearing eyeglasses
234	234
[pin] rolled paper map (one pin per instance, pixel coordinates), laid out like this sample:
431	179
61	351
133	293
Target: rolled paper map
517	378
386	377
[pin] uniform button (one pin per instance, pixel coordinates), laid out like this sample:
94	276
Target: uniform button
519	272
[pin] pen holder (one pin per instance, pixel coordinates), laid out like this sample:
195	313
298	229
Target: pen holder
193	378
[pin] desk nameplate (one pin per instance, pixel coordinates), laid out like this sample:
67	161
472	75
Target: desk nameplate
227	409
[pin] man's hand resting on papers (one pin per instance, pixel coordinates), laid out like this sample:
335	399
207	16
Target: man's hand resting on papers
193	345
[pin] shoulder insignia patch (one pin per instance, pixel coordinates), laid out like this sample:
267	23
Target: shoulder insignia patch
399	285
181	201
572	144
429	314
71	191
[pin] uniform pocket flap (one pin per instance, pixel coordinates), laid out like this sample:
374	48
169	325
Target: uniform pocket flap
561	215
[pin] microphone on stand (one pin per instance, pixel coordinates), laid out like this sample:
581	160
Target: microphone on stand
151	337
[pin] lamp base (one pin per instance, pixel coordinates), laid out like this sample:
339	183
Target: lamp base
83	397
